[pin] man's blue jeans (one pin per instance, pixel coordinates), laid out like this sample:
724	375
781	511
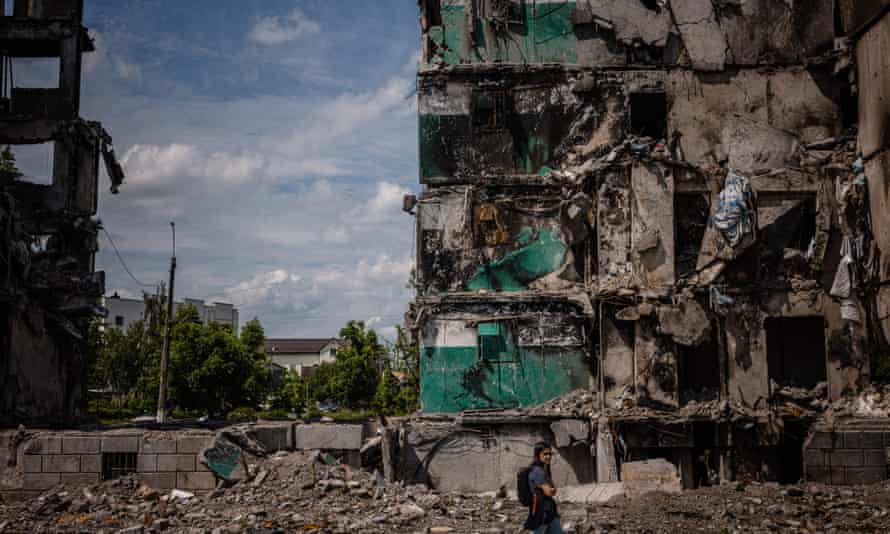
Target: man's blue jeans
553	527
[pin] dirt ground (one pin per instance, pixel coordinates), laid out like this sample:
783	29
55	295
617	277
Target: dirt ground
297	492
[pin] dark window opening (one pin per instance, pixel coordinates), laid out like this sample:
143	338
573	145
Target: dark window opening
119	321
492	343
692	212
699	371
648	114
118	464
795	351
490	110
433	13
28	163
787	222
805	229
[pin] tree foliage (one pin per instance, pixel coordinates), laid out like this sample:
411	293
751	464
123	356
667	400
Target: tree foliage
253	337
211	370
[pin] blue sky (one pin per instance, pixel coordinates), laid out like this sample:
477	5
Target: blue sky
280	135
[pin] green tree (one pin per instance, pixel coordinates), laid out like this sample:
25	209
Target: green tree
357	365
387	400
291	393
322	385
211	369
253	337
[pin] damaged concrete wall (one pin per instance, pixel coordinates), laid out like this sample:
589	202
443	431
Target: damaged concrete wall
681	167
49	289
868	24
509	355
702	34
488	456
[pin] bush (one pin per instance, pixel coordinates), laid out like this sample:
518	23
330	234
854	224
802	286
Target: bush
108	409
242	414
277	413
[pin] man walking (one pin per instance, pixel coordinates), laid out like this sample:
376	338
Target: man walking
543	516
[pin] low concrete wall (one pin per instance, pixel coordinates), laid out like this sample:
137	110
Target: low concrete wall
164	460
854	454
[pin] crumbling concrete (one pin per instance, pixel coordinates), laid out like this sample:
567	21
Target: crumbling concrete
49	289
673	183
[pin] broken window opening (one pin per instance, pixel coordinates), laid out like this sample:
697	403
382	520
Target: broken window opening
118	464
490	110
40	243
119	321
34	73
648	114
692	212
28	163
493	344
795	227
699	371
433	12
795	351
805	230
489	230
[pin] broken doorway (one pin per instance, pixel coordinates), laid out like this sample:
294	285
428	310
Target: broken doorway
795	350
699	372
648	114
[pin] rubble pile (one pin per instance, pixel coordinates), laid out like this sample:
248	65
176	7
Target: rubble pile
303	492
285	492
872	401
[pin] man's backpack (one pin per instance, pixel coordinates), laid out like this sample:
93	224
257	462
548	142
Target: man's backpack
523	488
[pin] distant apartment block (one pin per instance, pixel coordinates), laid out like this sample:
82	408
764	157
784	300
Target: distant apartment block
124	311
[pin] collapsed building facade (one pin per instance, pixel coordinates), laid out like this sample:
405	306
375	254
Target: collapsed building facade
659	210
49	288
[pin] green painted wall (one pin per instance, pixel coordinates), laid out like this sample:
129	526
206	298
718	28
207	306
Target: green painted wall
454	379
546	35
516	270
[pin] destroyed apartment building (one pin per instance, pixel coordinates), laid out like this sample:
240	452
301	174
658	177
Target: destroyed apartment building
49	288
649	229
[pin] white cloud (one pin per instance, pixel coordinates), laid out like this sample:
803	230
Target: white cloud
385	204
278	30
373	289
127	70
154	165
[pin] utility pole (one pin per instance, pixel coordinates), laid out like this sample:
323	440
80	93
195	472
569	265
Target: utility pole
165	353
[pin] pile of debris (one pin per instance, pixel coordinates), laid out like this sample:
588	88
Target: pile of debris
872	401
311	492
285	492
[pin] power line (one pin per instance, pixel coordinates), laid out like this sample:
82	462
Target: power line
121	259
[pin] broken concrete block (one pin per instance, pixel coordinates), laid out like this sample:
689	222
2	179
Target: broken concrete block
687	322
328	437
702	35
567	431
650	475
80	445
754	146
150	445
120	444
225	459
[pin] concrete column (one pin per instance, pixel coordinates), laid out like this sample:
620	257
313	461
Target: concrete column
606	465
